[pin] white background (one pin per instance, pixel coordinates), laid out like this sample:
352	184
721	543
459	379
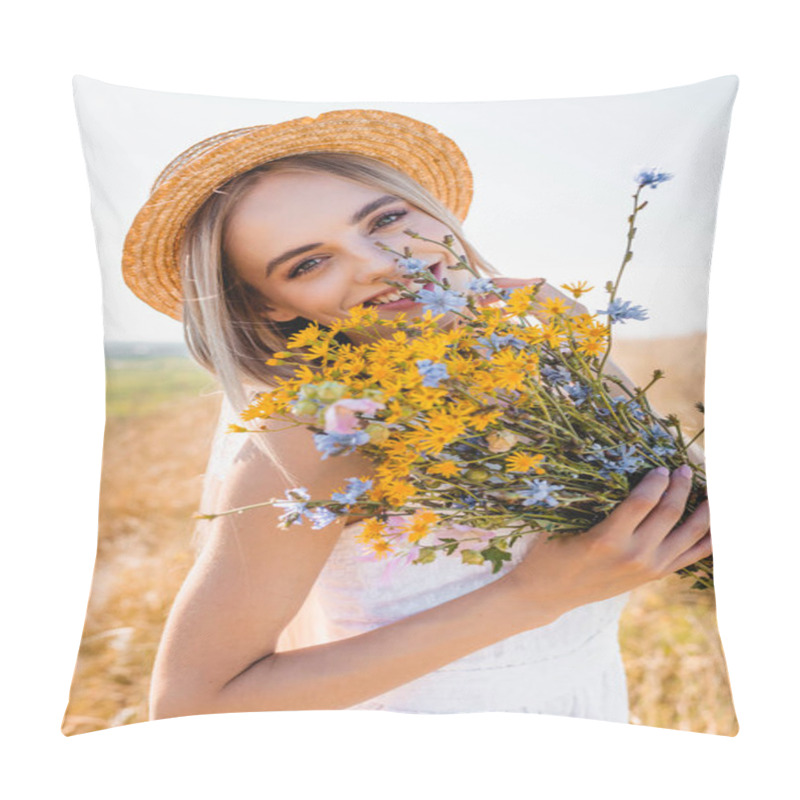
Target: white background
54	401
553	184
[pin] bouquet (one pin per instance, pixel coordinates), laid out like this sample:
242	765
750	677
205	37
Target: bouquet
482	431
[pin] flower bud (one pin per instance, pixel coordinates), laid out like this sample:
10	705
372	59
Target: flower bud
501	441
477	474
330	391
305	408
378	434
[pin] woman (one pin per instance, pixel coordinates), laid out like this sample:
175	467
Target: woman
245	237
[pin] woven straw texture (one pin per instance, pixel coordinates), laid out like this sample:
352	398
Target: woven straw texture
150	255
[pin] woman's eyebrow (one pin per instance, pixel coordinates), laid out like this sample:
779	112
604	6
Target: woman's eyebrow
373	206
355	219
276	262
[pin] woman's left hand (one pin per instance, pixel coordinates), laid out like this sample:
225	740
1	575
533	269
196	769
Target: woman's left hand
546	292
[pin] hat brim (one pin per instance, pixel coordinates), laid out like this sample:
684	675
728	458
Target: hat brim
150	255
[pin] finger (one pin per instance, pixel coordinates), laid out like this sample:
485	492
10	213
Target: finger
694	554
633	510
671	507
687	535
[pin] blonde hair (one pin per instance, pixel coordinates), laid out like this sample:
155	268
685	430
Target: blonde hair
225	325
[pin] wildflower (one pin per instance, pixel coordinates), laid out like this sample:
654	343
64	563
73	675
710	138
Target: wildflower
501	441
444	468
519	300
420	525
340	417
577	289
300	339
524	462
439	300
497	342
321	517
432	373
481	286
355	488
413	266
577	392
334	444
330	391
295	505
652	178
620	310
591	347
556	375
554	305
538	493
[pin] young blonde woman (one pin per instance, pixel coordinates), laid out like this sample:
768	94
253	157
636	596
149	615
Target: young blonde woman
245	237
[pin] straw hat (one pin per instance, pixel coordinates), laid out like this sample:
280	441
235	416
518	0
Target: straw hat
150	255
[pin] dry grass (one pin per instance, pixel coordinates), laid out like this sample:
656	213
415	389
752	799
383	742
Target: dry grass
152	477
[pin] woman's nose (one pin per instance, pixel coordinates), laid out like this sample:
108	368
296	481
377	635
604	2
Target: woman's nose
371	265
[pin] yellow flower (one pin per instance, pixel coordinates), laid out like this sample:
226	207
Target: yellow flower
577	289
553	305
372	529
420	525
300	339
398	492
519	301
381	548
444	468
485	418
360	315
522	462
592	347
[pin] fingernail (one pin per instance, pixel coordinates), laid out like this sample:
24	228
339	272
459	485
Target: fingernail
685	471
661	471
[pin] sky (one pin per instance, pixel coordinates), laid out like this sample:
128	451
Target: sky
553	184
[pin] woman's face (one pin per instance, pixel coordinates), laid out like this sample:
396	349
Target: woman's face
307	242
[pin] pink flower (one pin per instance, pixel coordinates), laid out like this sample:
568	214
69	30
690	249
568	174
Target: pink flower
340	417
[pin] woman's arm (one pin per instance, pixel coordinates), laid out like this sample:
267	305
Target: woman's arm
218	653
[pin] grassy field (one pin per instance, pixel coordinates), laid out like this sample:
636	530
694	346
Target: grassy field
161	416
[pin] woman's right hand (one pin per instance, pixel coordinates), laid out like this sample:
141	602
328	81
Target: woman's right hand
637	543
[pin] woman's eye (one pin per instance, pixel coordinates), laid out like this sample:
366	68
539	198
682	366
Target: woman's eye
388	218
304	267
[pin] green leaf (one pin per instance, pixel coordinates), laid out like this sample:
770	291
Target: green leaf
496	556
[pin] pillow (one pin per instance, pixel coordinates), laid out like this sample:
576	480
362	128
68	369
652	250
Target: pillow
548	186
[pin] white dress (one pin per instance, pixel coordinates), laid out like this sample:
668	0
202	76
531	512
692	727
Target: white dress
571	667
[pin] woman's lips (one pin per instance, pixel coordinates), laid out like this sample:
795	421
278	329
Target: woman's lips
404	302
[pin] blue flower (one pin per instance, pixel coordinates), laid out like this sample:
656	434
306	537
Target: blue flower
578	392
556	375
481	285
497	342
538	493
439	300
629	459
295	505
652	178
321	517
620	310
355	488
334	444
432	372
413	266
662	443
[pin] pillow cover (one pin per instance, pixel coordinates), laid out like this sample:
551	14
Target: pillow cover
550	184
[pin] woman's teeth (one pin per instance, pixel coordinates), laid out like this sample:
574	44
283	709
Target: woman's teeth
386	298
